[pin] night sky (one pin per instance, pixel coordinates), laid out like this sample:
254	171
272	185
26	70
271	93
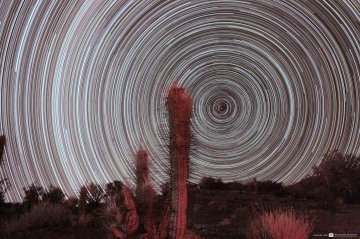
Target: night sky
275	84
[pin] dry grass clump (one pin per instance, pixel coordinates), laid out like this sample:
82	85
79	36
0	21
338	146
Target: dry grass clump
42	215
280	224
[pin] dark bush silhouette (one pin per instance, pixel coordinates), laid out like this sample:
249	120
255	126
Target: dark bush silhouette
33	195
271	187
111	189
53	195
95	195
212	183
340	174
71	203
337	178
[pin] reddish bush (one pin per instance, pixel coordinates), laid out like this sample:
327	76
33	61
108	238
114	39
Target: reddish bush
279	224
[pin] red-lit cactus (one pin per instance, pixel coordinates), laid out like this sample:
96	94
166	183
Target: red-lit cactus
180	109
144	193
131	218
121	216
162	230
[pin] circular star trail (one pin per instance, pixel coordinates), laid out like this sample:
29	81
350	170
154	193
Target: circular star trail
275	84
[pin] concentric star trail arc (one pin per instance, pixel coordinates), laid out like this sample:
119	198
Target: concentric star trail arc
275	85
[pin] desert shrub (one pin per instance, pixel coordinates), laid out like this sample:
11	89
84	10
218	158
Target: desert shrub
212	183
269	186
41	215
238	186
32	196
279	224
71	204
337	176
95	194
340	174
303	188
53	195
111	189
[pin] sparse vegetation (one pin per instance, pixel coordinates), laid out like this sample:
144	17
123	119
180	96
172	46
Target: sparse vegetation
53	195
111	189
33	195
41	215
95	195
336	179
212	183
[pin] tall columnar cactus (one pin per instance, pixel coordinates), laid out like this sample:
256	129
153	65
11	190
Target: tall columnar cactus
180	109
144	193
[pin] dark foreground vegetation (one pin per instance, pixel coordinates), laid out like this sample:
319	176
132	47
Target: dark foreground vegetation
327	201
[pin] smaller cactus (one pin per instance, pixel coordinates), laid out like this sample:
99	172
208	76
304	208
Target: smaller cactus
144	193
163	228
131	218
121	216
83	219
